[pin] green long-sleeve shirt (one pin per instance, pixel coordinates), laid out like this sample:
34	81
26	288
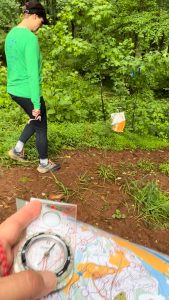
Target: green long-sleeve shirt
23	65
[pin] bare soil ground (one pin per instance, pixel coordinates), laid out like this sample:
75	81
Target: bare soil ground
97	199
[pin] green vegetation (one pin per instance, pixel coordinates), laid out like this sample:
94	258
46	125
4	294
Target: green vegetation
107	173
146	165
118	215
152	203
100	57
84	179
164	168
24	179
62	188
105	206
71	136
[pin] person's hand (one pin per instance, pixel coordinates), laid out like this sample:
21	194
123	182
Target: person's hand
37	114
24	285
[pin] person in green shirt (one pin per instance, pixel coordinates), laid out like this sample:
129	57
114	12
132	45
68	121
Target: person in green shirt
24	82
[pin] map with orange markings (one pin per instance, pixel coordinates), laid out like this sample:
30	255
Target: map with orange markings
108	267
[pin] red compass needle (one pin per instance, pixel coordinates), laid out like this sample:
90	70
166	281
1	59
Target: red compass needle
46	255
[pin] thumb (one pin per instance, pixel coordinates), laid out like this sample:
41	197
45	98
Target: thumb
27	285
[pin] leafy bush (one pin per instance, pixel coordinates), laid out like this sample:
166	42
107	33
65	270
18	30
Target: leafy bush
70	98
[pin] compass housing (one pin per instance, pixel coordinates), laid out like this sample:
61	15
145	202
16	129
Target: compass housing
57	256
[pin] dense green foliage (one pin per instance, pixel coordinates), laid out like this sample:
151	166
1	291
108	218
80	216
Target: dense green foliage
102	56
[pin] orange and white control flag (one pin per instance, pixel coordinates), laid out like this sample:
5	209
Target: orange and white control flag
118	121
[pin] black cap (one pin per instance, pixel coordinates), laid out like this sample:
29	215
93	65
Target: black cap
36	8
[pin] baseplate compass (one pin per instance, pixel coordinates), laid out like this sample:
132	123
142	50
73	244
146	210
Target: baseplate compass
46	251
49	243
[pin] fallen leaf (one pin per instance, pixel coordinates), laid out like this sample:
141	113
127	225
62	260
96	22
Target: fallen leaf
56	196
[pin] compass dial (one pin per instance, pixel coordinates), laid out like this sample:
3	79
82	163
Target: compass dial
47	251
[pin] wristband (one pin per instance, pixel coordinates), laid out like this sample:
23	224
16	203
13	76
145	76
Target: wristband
3	262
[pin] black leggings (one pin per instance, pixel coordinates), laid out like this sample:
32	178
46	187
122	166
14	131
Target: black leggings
37	127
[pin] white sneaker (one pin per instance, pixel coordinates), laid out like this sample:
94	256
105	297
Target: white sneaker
16	155
50	167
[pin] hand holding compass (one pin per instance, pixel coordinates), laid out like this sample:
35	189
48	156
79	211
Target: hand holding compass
47	245
39	284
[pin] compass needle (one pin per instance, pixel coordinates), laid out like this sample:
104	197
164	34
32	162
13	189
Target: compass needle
48	251
46	254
